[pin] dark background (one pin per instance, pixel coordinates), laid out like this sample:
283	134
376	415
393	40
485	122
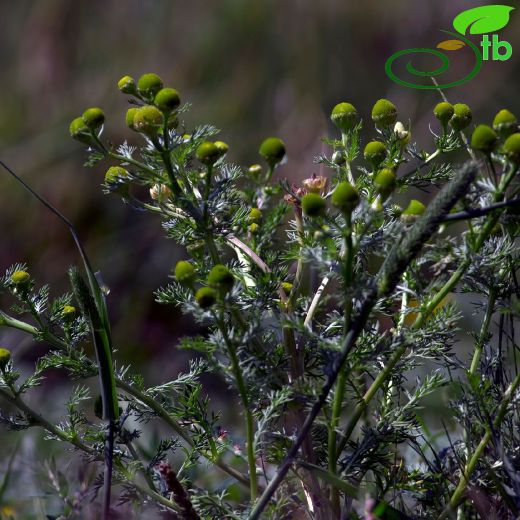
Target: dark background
252	68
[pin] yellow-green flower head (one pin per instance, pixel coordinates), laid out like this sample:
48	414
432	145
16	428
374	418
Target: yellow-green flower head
385	182
384	113
220	277
375	153
149	84
167	99
512	147
116	174
93	117
345	197
462	116
206	297
255	215
287	287
185	272
505	123
126	85
208	153
148	119
20	278
484	139
414	209
68	313
5	357
222	147
444	112
344	116
129	118
79	130
313	205
253	228
272	150
255	171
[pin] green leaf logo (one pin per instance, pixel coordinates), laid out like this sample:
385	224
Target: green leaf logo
482	20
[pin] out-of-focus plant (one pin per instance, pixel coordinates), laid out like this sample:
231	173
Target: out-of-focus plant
318	301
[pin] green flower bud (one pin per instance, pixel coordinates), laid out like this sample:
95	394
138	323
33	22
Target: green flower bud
385	182
255	170
255	215
484	139
384	113
414	209
345	197
5	357
444	112
20	278
79	131
206	297
375	153
93	117
512	147
149	84
129	118
253	228
313	205
222	147
68	313
338	158
185	272
208	153
505	123
167	99
220	277
272	150
461	117
116	175
147	120
287	287
344	116
126	85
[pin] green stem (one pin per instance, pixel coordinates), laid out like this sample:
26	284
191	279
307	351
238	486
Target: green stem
242	390
46	425
428	310
343	374
457	496
484	330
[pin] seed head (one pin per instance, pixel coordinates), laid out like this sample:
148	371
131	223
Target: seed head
345	197
313	205
344	116
414	209
149	84
484	139
148	119
512	147
5	357
444	112
220	277
206	297
461	116
93	117
272	150
375	153
208	153
385	182
167	99
505	123
20	278
384	113
185	272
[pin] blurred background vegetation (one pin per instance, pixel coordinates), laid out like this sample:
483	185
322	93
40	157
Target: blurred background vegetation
251	68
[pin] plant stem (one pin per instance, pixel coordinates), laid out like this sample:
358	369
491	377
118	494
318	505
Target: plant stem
242	390
428	310
343	374
46	425
457	496
484	330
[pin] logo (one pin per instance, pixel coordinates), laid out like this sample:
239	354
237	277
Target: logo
477	21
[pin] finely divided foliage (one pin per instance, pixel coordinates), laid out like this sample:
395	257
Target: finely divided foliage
329	308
